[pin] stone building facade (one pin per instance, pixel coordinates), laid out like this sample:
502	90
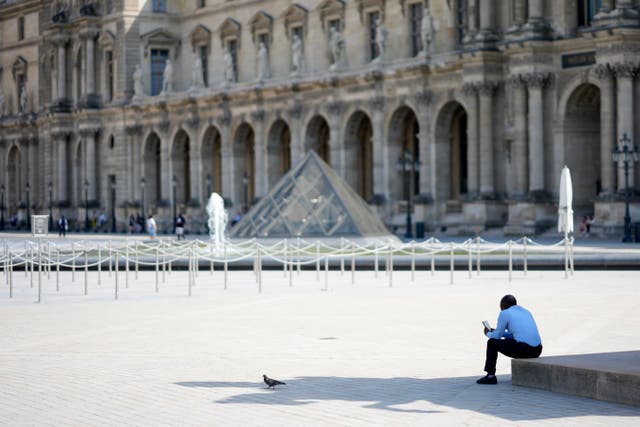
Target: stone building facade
461	111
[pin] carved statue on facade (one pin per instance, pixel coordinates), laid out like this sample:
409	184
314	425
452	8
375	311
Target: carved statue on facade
381	39
427	32
263	62
138	84
197	79
229	71
296	55
167	77
60	11
337	44
24	97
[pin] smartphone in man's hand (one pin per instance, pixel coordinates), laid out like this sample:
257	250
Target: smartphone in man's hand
486	324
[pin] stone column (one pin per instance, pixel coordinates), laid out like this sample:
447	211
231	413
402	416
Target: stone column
90	168
471	94
89	36
380	152
536	83
134	145
536	10
335	143
260	178
472	17
427	147
226	152
63	172
520	12
195	163
607	126
61	45
485	94
520	138
166	166
625	74
297	149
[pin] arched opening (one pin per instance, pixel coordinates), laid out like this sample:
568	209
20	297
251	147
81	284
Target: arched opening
151	172
180	168
317	138
244	167
452	156
404	156
582	146
211	163
358	148
278	151
14	183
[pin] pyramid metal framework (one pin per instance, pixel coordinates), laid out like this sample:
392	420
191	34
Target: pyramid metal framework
311	200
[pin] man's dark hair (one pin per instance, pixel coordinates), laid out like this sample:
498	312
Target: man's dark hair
507	301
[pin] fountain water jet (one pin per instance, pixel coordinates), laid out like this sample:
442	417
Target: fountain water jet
217	219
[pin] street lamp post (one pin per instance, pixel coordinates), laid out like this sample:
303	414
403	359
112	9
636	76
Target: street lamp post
50	186
174	182
86	205
407	165
144	221
245	183
2	208
113	205
627	154
28	206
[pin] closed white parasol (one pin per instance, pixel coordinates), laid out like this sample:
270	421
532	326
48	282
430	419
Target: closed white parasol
565	211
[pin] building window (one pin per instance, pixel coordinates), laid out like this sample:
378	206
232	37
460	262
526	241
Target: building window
415	24
205	64
159	5
373	24
335	23
587	9
109	70
21	28
232	46
158	61
202	3
462	19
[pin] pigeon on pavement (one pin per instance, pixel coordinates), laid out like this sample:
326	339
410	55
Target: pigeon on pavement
271	382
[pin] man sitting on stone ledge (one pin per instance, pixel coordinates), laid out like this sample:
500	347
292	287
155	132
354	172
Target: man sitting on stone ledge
516	335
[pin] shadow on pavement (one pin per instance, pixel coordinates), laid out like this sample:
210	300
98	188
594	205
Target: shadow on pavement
461	393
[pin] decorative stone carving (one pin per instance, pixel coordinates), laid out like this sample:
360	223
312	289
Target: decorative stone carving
263	62
536	80
487	88
229	70
334	107
469	89
424	98
197	79
296	110
167	78
427	32
337	44
625	70
516	80
602	71
258	115
296	55
138	83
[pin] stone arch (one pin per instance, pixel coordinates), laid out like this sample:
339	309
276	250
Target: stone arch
402	137
317	137
450	136
358	147
151	171
244	166
278	151
211	155
180	166
581	131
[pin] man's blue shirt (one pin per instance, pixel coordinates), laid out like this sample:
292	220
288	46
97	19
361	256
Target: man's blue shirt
517	322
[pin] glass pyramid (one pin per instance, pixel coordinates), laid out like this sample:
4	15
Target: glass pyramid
311	200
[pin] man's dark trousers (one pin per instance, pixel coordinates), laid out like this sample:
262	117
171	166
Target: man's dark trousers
509	347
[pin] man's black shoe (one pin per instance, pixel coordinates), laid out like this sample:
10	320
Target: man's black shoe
488	379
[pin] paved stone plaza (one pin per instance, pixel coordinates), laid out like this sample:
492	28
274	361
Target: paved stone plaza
361	354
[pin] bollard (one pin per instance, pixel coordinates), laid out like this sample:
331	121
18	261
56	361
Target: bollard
99	264
390	263
413	261
110	257
291	266
225	264
48	260
317	260
510	260
566	257
375	260
259	269
164	262
116	273
190	282
11	276
470	257
353	263
190	267
433	258
451	267
26	250
86	269
255	261
157	260
31	258
136	260
342	256
571	255
326	272
525	255
299	255
210	262
57	269
284	257
196	261
126	266
39	270
478	255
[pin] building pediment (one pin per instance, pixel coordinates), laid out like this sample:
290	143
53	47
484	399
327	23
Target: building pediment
295	15
261	22
331	8
229	28
19	67
161	38
199	36
106	38
370	5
